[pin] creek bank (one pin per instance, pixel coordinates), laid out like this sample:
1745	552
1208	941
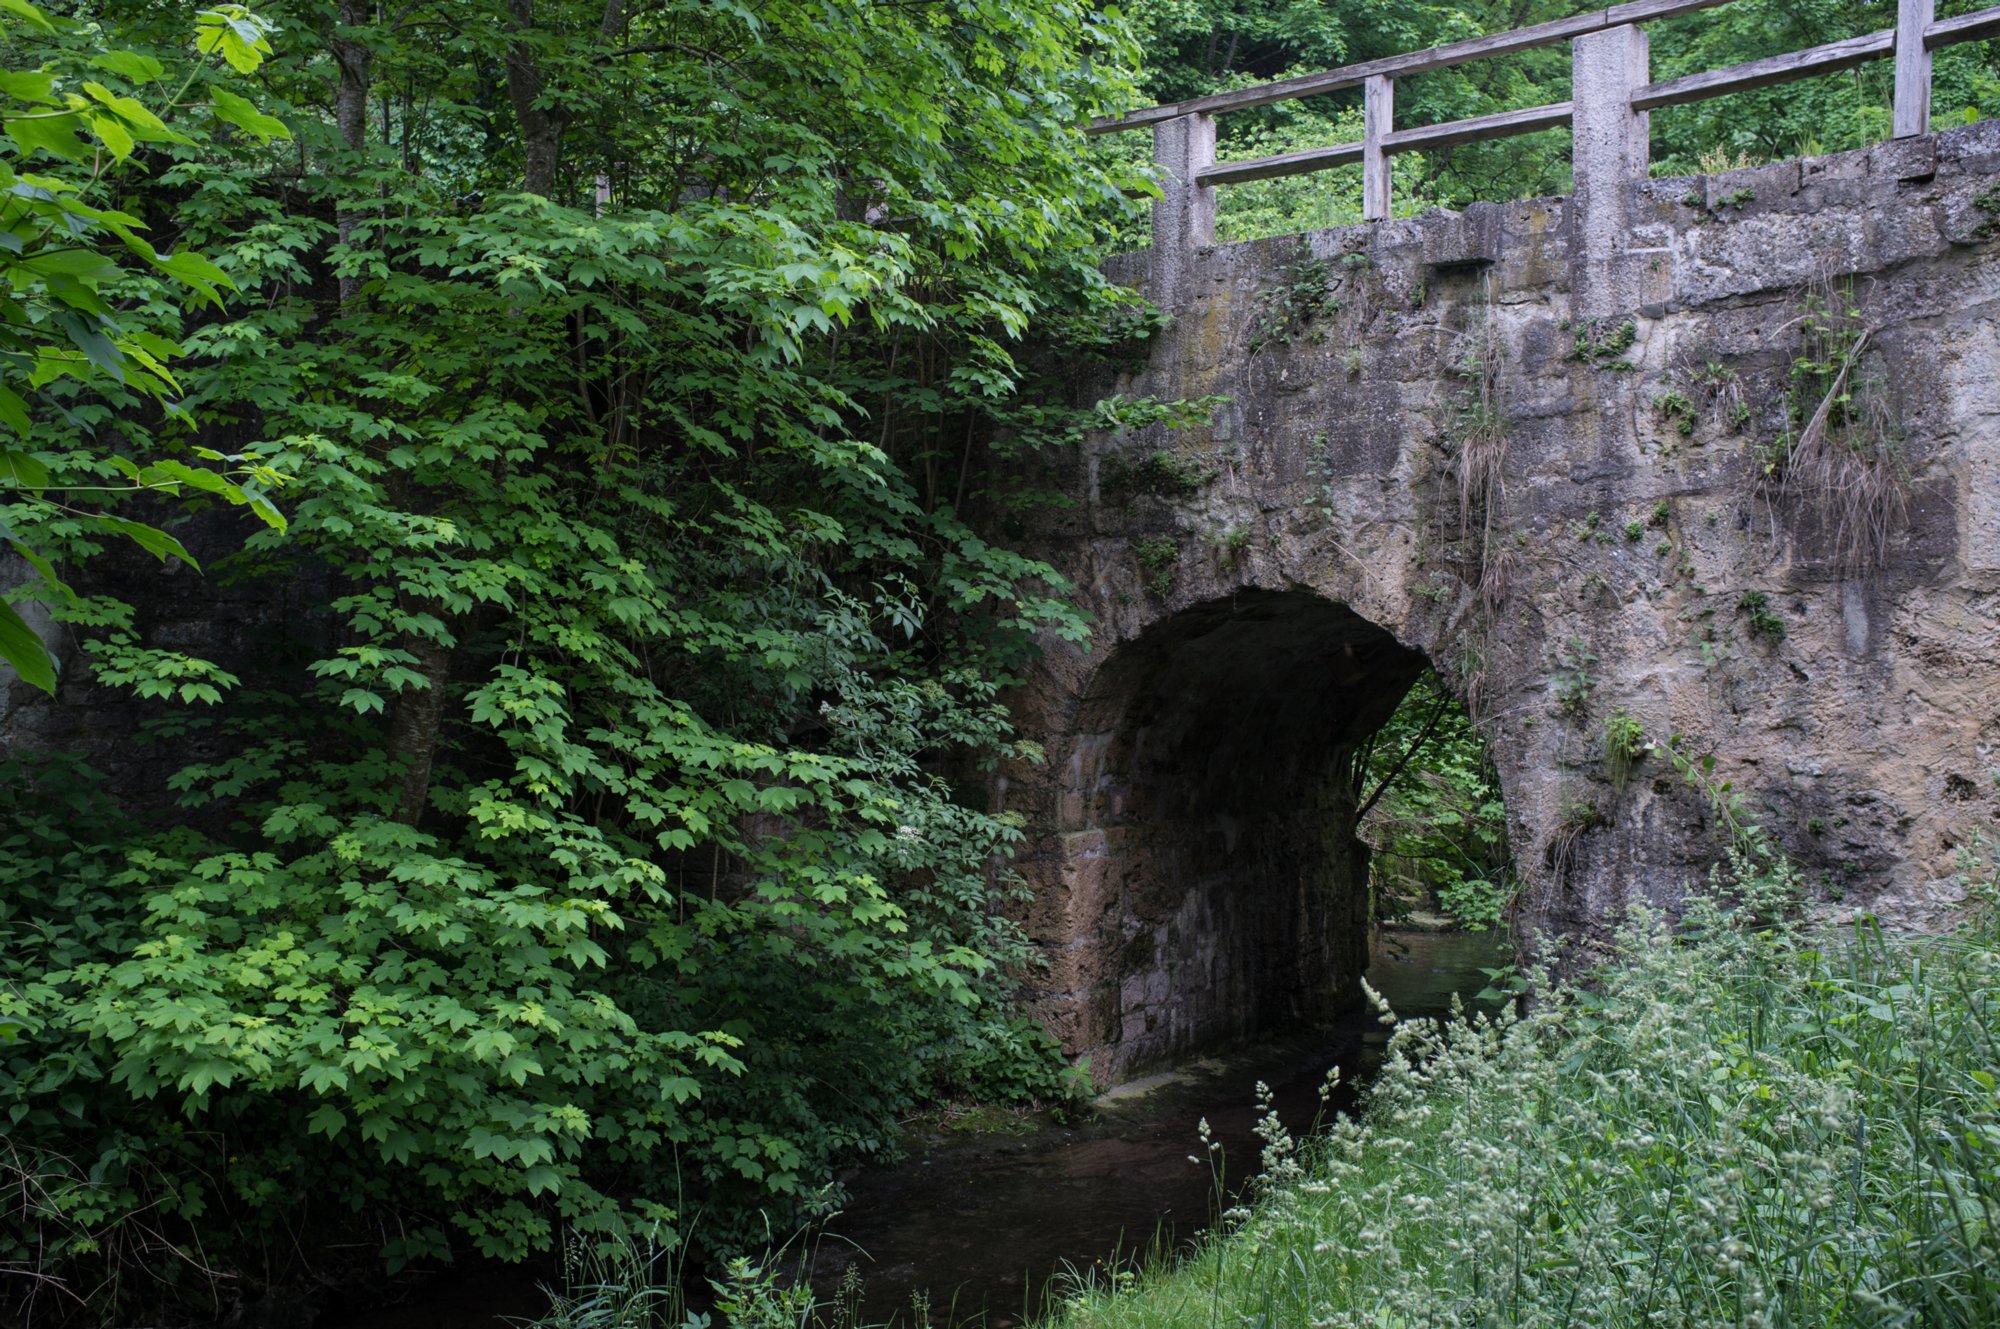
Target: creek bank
981	1228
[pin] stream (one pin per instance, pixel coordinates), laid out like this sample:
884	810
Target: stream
983	1229
977	1229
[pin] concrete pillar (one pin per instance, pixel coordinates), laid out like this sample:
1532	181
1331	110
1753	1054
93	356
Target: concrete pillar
1184	218
1913	68
1611	153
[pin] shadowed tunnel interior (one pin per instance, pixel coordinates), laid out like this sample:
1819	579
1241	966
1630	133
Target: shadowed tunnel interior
1211	880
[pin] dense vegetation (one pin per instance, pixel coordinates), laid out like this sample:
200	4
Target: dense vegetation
556	808
1431	812
600	841
1743	1122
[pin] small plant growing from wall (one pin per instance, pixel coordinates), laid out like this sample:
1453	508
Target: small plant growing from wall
1988	204
1578	819
1477	444
1840	454
1320	470
1230	543
1678	411
1290	311
1160	473
1573	680
1625	746
1705	388
1701	391
1764	621
1603	347
1159	559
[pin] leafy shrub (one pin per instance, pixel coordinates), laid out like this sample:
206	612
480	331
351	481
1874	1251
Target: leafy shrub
1437	825
1735	1123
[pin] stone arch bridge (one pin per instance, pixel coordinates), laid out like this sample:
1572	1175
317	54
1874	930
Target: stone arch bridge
1546	457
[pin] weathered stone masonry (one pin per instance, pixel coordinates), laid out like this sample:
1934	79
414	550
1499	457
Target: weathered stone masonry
1195	871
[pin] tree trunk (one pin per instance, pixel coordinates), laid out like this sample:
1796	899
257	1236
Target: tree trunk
541	128
350	108
413	733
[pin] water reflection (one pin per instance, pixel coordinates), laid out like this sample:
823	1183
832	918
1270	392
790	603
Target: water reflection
981	1229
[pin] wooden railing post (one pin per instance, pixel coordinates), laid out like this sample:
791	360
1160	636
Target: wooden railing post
1913	67
1610	152
1184	217
1378	119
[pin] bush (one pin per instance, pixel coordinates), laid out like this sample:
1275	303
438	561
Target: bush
1738	1124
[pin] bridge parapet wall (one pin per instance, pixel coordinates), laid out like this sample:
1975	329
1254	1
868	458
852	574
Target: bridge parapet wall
1573	514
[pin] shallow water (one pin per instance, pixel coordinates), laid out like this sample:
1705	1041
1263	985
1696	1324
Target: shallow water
985	1228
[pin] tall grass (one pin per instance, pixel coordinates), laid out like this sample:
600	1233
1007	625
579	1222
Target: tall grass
1738	1123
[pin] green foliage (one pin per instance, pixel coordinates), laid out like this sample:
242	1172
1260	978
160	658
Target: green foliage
87	301
1764	621
1601	347
1734	1121
1476	903
1625	745
623	792
1010	1058
1572	679
1438	828
1159	559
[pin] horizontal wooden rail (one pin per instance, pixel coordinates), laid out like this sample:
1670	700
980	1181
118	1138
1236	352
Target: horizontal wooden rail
1763	73
1290	163
1611	94
1965	28
1450	134
1503	124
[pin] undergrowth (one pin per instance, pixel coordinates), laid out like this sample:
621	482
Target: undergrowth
1736	1123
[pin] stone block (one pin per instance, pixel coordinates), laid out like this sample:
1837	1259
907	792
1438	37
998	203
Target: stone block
1472	237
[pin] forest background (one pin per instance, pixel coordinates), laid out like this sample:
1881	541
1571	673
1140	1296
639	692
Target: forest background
600	416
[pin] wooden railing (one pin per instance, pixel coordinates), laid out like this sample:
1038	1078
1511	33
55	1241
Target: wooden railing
1611	92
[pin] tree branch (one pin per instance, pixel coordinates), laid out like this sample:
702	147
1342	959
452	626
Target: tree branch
1423	736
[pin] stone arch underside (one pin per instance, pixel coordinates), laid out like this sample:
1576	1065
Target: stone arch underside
1210	883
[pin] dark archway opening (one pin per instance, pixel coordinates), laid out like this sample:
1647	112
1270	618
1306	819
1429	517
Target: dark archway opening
1213	882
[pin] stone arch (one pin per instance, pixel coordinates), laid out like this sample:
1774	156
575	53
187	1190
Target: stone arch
1207	881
